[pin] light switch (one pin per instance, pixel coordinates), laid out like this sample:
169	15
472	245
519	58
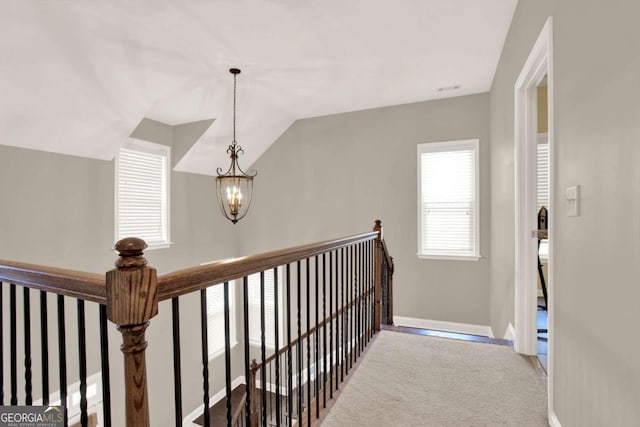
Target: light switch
572	200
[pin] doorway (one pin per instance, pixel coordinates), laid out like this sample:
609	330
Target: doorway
532	246
544	212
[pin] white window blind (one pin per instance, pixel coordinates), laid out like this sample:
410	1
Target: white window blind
448	204
142	193
542	167
215	318
269	309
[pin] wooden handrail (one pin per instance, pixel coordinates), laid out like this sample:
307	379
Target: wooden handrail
322	324
70	283
92	287
385	251
193	279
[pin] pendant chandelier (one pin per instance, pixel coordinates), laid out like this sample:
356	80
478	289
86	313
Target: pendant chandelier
235	187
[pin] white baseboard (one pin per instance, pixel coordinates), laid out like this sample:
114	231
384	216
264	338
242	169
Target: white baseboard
553	420
187	421
510	333
439	325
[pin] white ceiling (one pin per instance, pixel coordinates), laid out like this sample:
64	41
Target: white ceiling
77	76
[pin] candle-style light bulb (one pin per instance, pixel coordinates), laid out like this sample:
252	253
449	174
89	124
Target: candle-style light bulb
234	199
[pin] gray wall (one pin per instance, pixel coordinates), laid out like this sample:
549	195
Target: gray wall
333	176
597	119
58	210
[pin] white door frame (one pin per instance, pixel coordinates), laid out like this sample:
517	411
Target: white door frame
538	64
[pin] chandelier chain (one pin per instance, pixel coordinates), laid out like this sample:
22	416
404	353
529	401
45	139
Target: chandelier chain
234	109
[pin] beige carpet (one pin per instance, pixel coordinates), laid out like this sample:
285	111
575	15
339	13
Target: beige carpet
412	380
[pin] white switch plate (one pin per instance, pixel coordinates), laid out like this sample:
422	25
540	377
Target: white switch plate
572	200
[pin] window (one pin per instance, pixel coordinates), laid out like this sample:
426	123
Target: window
542	168
215	318
448	200
269	309
142	193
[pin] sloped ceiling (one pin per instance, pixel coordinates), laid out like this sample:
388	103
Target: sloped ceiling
77	76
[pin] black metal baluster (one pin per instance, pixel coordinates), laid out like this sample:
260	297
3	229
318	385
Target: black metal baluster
227	353
177	369
276	339
367	268
359	299
369	297
316	336
363	298
289	360
14	345
356	312
28	385
337	313
104	361
247	363
324	331
62	357
372	299
343	357
44	347
331	361
366	293
82	358
299	344
308	270
354	303
205	355
347	313
350	298
343	354
270	401
263	348
286	400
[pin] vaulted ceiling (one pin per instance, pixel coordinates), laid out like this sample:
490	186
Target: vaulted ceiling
77	76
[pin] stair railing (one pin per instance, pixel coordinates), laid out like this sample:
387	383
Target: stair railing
337	293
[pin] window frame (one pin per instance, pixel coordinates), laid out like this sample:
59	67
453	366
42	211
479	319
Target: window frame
444	146
147	148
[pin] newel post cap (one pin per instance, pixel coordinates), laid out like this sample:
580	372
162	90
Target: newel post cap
130	250
378	227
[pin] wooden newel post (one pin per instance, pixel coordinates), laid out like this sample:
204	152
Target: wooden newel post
253	393
132	300
377	274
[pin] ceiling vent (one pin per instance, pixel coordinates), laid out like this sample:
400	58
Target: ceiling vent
448	88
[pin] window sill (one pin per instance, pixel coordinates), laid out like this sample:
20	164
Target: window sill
159	246
451	257
221	351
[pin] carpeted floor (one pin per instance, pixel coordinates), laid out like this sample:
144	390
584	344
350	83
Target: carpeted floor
412	380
